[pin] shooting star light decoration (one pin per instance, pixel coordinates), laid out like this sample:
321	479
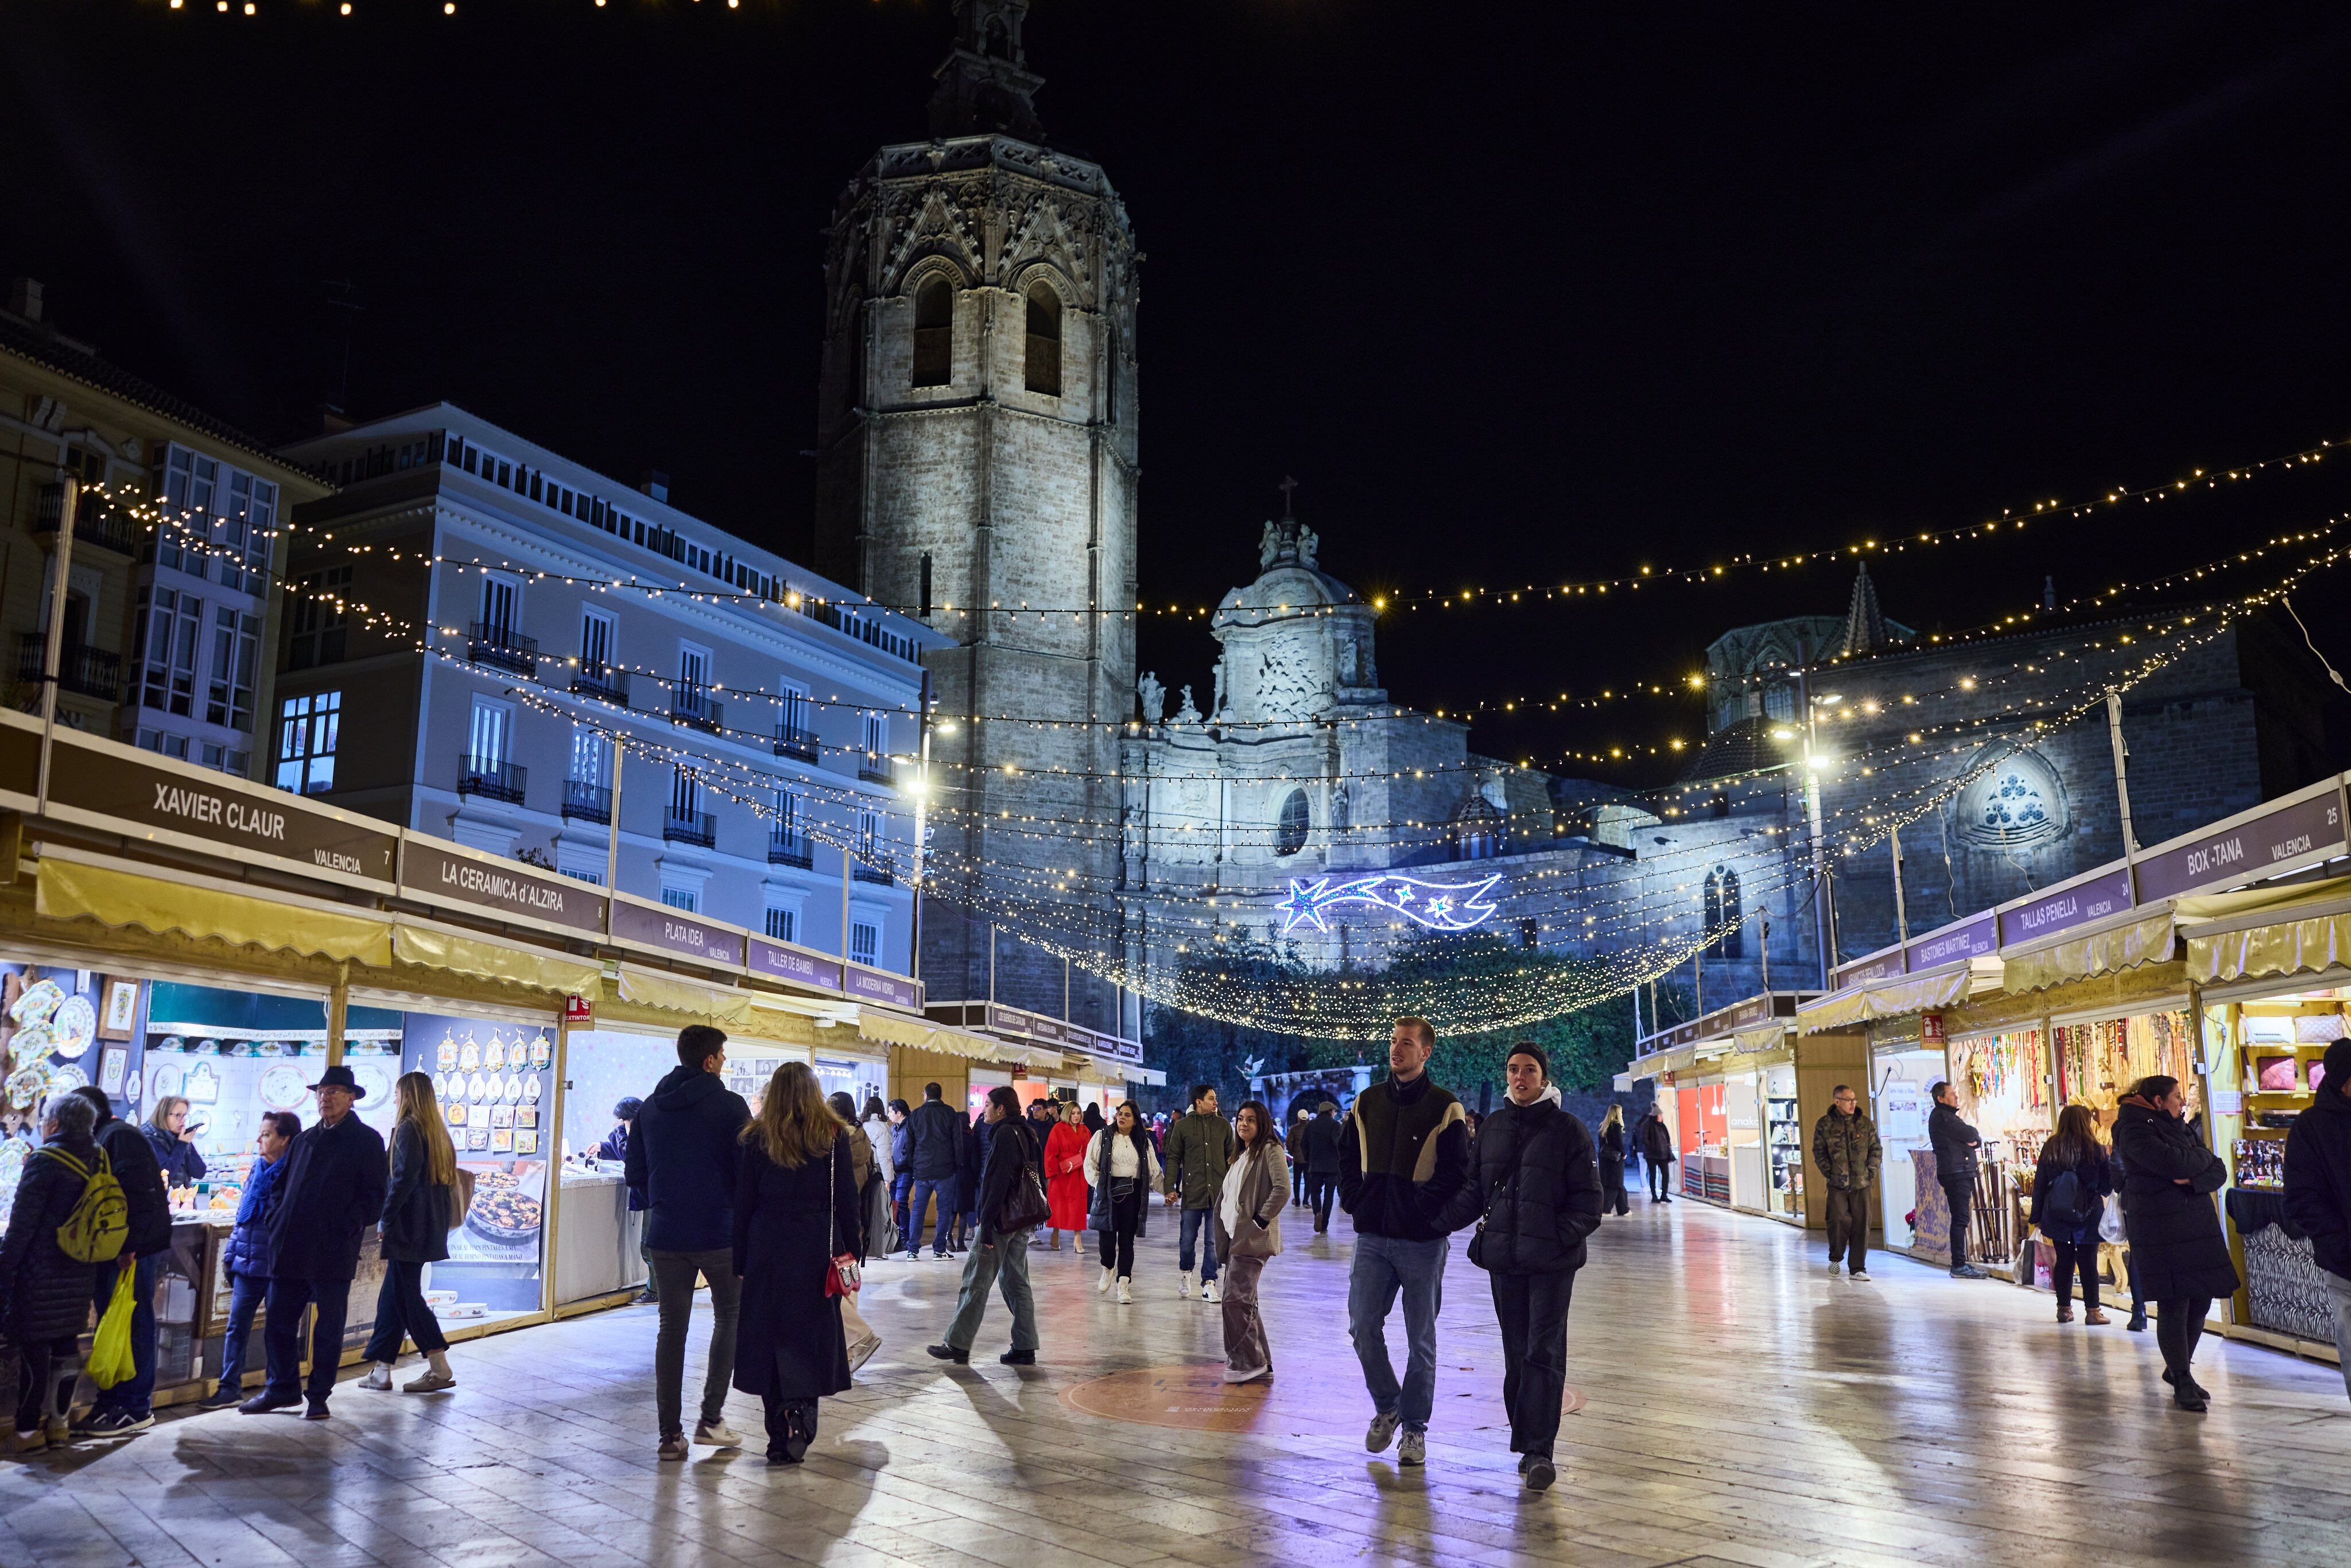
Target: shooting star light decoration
1439	905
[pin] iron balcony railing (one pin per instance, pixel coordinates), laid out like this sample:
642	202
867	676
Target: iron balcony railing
875	767
98	520
491	780
601	681
92	672
699	828
795	742
586	802
501	646
695	707
880	869
786	847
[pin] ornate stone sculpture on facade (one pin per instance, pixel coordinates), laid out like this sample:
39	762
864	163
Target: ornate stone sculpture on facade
1218	707
1154	696
1188	713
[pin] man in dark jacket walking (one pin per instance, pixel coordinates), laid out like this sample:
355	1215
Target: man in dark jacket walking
1653	1141
934	1150
1321	1140
2318	1186
128	1406
1956	1143
1846	1149
1404	1179
336	1178
685	1155
1200	1147
1538	1184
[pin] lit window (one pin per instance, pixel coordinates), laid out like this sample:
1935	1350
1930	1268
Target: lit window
782	925
306	742
679	898
865	942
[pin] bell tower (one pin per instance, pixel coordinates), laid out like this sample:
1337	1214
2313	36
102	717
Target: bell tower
977	465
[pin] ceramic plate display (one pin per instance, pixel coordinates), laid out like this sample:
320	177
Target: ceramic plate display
446	1056
168	1078
469	1055
476	1089
455	1114
440	1086
495	1059
202	1087
73	1025
66	1079
14	1152
171	1043
39	1000
372	1077
541	1051
28	1086
531	1089
282	1086
32	1043
477	1139
271	1048
514	1088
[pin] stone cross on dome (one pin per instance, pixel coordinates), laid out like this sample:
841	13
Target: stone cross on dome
1288	542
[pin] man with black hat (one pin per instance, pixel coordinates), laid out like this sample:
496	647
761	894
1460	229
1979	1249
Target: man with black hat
333	1189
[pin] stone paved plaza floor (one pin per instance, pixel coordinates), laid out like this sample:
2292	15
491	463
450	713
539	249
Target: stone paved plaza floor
1739	1405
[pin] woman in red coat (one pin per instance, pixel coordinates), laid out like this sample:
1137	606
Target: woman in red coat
1065	1177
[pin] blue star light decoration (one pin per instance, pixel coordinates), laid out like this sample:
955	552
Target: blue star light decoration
1439	905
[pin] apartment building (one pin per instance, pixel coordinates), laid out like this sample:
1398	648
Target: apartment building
488	642
172	589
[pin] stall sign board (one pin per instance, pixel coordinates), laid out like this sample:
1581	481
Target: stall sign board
794	965
877	986
579	1012
2066	908
1974	939
2290	835
114	786
1884	966
664	927
507	888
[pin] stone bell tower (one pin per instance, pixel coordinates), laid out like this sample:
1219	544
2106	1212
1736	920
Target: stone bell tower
976	464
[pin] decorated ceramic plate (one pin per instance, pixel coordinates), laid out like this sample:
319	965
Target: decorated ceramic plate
282	1086
28	1086
495	1059
32	1043
440	1086
541	1052
171	1043
168	1079
531	1089
513	1088
73	1025
375	1080
454	1114
39	1000
66	1079
14	1152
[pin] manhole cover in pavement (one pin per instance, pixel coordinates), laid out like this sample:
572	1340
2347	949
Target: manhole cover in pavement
1326	1401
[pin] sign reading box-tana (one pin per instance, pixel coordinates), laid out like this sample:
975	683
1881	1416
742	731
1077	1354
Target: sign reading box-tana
2248	851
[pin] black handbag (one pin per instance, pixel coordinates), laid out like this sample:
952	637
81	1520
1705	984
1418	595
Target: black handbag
1025	1206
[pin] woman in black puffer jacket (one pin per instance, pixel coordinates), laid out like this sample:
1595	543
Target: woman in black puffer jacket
2175	1233
1539	1186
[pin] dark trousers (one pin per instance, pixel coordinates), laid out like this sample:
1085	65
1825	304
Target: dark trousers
900	1185
2075	1257
924	1190
1661	1175
245	1293
782	1415
282	1335
1321	1187
37	1361
2130	1273
1611	1187
676	1273
2178	1327
1959	1192
1532	1310
1118	1241
134	1395
400	1313
1849	1226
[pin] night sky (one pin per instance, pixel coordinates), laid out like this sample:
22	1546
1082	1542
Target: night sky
1519	292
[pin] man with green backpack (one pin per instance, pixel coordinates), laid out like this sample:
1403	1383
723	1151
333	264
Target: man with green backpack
69	1216
126	1408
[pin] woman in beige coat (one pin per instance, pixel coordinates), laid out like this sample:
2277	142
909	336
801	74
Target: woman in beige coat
1249	1231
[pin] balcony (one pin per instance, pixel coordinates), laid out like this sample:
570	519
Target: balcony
881	870
586	802
601	681
490	781
98	520
786	847
92	672
799	744
877	768
697	828
502	647
695	708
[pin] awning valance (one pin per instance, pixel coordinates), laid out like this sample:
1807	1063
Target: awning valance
915	1034
492	960
2143	936
71	890
1944	988
2304	934
727	1008
1766	1036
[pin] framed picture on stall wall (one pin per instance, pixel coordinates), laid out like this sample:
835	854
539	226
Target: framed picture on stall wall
120	1012
111	1064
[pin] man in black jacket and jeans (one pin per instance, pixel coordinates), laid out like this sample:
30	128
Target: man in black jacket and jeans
127	1407
683	1155
1404	1179
1956	1143
935	1139
1322	1138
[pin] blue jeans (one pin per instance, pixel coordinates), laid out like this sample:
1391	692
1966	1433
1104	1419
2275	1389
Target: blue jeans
923	1189
1195	1221
246	1292
134	1395
1004	1261
1383	1266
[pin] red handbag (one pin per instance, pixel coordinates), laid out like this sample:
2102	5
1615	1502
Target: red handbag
844	1278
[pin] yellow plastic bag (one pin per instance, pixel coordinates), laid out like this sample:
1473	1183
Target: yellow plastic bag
109	1353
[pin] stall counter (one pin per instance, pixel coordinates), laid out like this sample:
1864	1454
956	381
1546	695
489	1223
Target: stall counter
596	1251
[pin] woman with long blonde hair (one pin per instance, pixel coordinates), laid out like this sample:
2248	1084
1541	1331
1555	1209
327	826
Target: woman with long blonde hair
419	1211
1612	1163
796	1222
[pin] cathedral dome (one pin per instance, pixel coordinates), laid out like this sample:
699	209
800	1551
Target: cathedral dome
1297	641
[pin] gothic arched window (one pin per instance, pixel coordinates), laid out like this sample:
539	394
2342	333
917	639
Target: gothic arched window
1044	340
934	332
1296	819
1725	930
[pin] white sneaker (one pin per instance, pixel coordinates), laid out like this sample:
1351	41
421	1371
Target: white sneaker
1125	1296
717	1435
1861	1274
378	1379
1212	1291
1381	1433
1103	1285
1413	1450
1245	1374
1191	1283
